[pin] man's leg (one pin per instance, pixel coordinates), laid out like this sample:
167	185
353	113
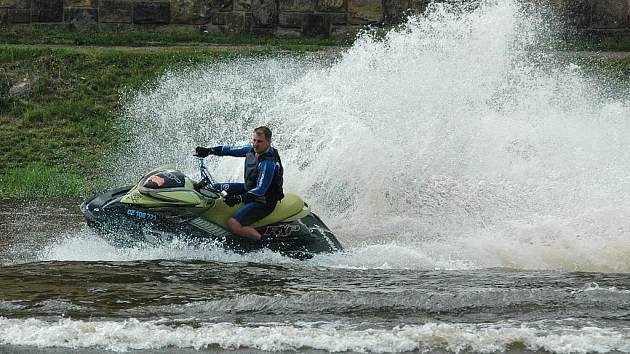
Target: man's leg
248	215
245	231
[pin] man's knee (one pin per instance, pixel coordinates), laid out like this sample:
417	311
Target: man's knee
233	224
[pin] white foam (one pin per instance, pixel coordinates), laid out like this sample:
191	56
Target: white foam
547	248
60	306
543	248
133	334
10	305
88	246
595	288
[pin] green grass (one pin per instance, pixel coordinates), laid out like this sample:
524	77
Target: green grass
39	180
135	38
596	42
69	117
69	120
614	44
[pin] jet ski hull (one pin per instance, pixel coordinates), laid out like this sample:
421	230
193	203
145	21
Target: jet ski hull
128	225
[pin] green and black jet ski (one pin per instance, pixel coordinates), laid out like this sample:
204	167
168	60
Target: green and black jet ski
166	203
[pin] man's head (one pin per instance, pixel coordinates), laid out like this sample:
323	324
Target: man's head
261	140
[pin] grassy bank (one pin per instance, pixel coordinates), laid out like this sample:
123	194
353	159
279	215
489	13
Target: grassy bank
67	116
40	180
65	123
597	42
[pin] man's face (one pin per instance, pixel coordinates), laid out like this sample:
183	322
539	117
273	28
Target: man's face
260	143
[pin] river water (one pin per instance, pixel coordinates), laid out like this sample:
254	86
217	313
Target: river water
478	181
66	291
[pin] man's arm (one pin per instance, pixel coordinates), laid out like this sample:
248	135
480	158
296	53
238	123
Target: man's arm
227	150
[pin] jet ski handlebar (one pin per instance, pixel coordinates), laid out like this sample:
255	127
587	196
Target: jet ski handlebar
206	178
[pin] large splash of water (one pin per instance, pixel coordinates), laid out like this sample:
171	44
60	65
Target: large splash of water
454	141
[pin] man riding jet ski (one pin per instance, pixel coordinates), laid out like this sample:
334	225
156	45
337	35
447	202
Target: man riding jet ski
166	203
262	189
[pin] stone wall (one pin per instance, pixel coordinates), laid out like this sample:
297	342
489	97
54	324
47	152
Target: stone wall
277	17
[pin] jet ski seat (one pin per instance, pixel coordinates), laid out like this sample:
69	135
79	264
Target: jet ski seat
290	205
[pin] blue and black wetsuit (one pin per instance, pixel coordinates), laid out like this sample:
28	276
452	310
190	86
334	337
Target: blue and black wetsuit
263	182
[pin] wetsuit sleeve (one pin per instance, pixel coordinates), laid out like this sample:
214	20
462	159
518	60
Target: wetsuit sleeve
236	151
232	188
266	171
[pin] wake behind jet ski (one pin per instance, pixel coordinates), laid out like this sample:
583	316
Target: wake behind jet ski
165	203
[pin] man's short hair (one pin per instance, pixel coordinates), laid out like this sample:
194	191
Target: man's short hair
265	131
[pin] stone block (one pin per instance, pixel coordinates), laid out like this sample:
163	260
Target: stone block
609	14
365	11
330	5
113	26
234	23
285	5
287	32
337	19
221	5
195	12
572	12
51	26
249	23
315	25
577	13
158	13
396	11
419	6
219	18
81	18
19	16
47	11
265	31
349	31
242	5
209	28
179	28
264	13
81	3
297	5
16	4
115	11
71	14
290	19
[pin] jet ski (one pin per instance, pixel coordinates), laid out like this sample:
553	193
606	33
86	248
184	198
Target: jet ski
165	204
